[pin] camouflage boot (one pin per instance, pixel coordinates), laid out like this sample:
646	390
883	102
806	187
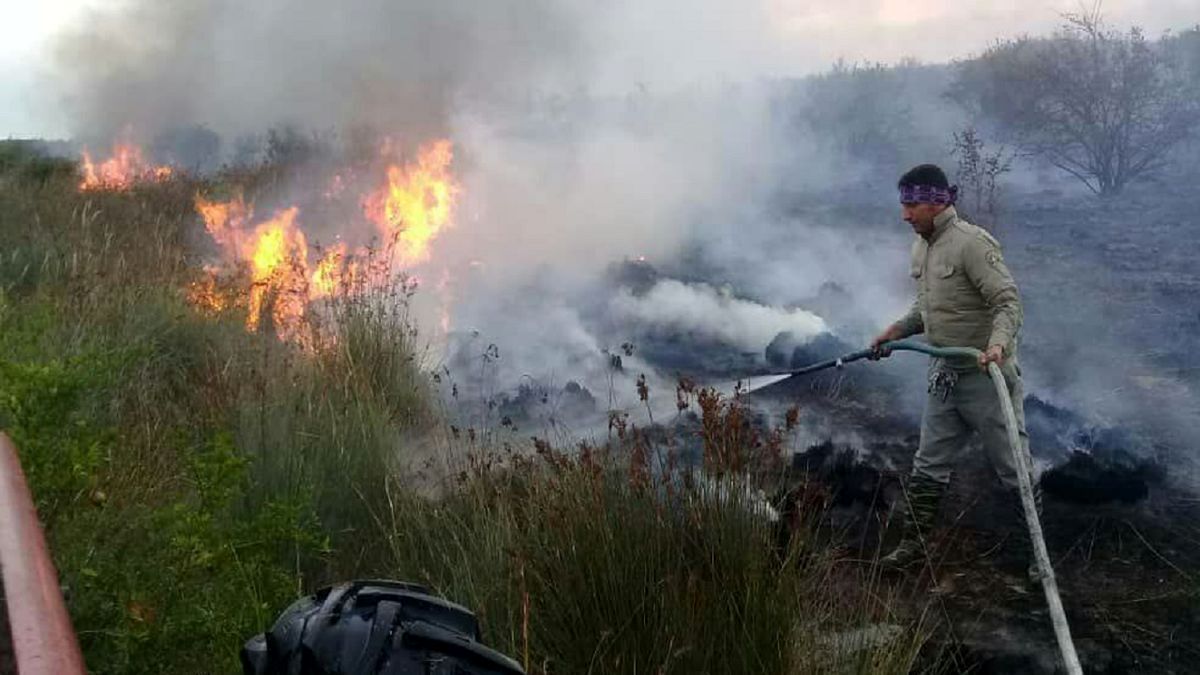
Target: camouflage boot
923	497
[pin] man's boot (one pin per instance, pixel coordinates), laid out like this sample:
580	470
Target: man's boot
922	500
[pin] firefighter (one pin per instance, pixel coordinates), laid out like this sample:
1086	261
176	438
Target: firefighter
966	297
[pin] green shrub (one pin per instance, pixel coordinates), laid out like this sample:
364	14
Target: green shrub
65	439
179	587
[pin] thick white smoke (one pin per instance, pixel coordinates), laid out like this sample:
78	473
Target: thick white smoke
675	307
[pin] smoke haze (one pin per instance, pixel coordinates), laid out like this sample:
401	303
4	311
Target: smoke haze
585	134
583	138
242	67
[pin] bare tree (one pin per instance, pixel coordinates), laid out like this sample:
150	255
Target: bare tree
979	172
1104	106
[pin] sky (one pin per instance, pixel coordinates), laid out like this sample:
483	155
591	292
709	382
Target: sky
25	33
804	36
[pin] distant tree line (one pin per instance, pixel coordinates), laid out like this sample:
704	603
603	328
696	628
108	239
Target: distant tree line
1106	107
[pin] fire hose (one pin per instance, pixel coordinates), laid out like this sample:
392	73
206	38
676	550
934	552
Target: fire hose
1062	631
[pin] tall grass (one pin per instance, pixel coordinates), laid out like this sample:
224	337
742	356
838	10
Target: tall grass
194	477
577	568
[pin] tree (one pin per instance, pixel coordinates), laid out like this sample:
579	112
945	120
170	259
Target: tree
978	175
1106	107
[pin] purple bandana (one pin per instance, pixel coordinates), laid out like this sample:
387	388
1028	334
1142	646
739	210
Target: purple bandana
928	194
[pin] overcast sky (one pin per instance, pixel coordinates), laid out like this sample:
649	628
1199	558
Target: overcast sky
804	36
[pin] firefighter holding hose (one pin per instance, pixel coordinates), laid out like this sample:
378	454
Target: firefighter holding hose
966	297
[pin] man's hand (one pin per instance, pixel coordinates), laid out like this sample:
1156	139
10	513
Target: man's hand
877	350
994	354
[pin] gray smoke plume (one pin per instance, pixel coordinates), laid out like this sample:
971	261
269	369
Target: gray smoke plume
583	137
242	67
587	134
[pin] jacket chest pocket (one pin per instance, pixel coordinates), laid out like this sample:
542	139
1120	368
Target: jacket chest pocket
946	283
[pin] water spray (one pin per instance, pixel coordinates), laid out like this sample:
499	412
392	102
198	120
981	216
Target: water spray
1062	631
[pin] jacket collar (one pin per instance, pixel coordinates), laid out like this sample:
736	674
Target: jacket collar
942	221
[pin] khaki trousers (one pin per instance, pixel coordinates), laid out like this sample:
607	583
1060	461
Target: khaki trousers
969	405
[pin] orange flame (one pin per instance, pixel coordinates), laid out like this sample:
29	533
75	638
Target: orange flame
279	266
327	278
121	171
224	220
417	202
276	252
207	294
411	209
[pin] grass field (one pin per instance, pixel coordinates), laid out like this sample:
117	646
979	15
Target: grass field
195	477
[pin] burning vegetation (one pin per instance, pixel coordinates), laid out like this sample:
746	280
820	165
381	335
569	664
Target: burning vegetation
270	267
416	203
125	167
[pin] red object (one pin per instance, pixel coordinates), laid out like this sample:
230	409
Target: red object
43	639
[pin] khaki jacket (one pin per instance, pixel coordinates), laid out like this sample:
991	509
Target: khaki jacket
966	296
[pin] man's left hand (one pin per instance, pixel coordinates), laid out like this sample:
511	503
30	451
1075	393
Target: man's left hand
994	354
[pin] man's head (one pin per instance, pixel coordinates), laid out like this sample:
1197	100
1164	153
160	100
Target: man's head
924	193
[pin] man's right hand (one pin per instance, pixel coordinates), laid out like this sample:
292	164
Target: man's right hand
877	349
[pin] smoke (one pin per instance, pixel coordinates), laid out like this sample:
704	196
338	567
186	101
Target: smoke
242	67
585	134
673	306
403	65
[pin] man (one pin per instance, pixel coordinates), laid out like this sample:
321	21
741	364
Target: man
966	297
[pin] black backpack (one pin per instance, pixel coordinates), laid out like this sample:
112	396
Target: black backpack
374	627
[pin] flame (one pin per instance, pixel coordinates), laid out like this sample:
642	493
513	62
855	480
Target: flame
224	220
206	293
276	253
327	278
286	276
121	171
417	202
